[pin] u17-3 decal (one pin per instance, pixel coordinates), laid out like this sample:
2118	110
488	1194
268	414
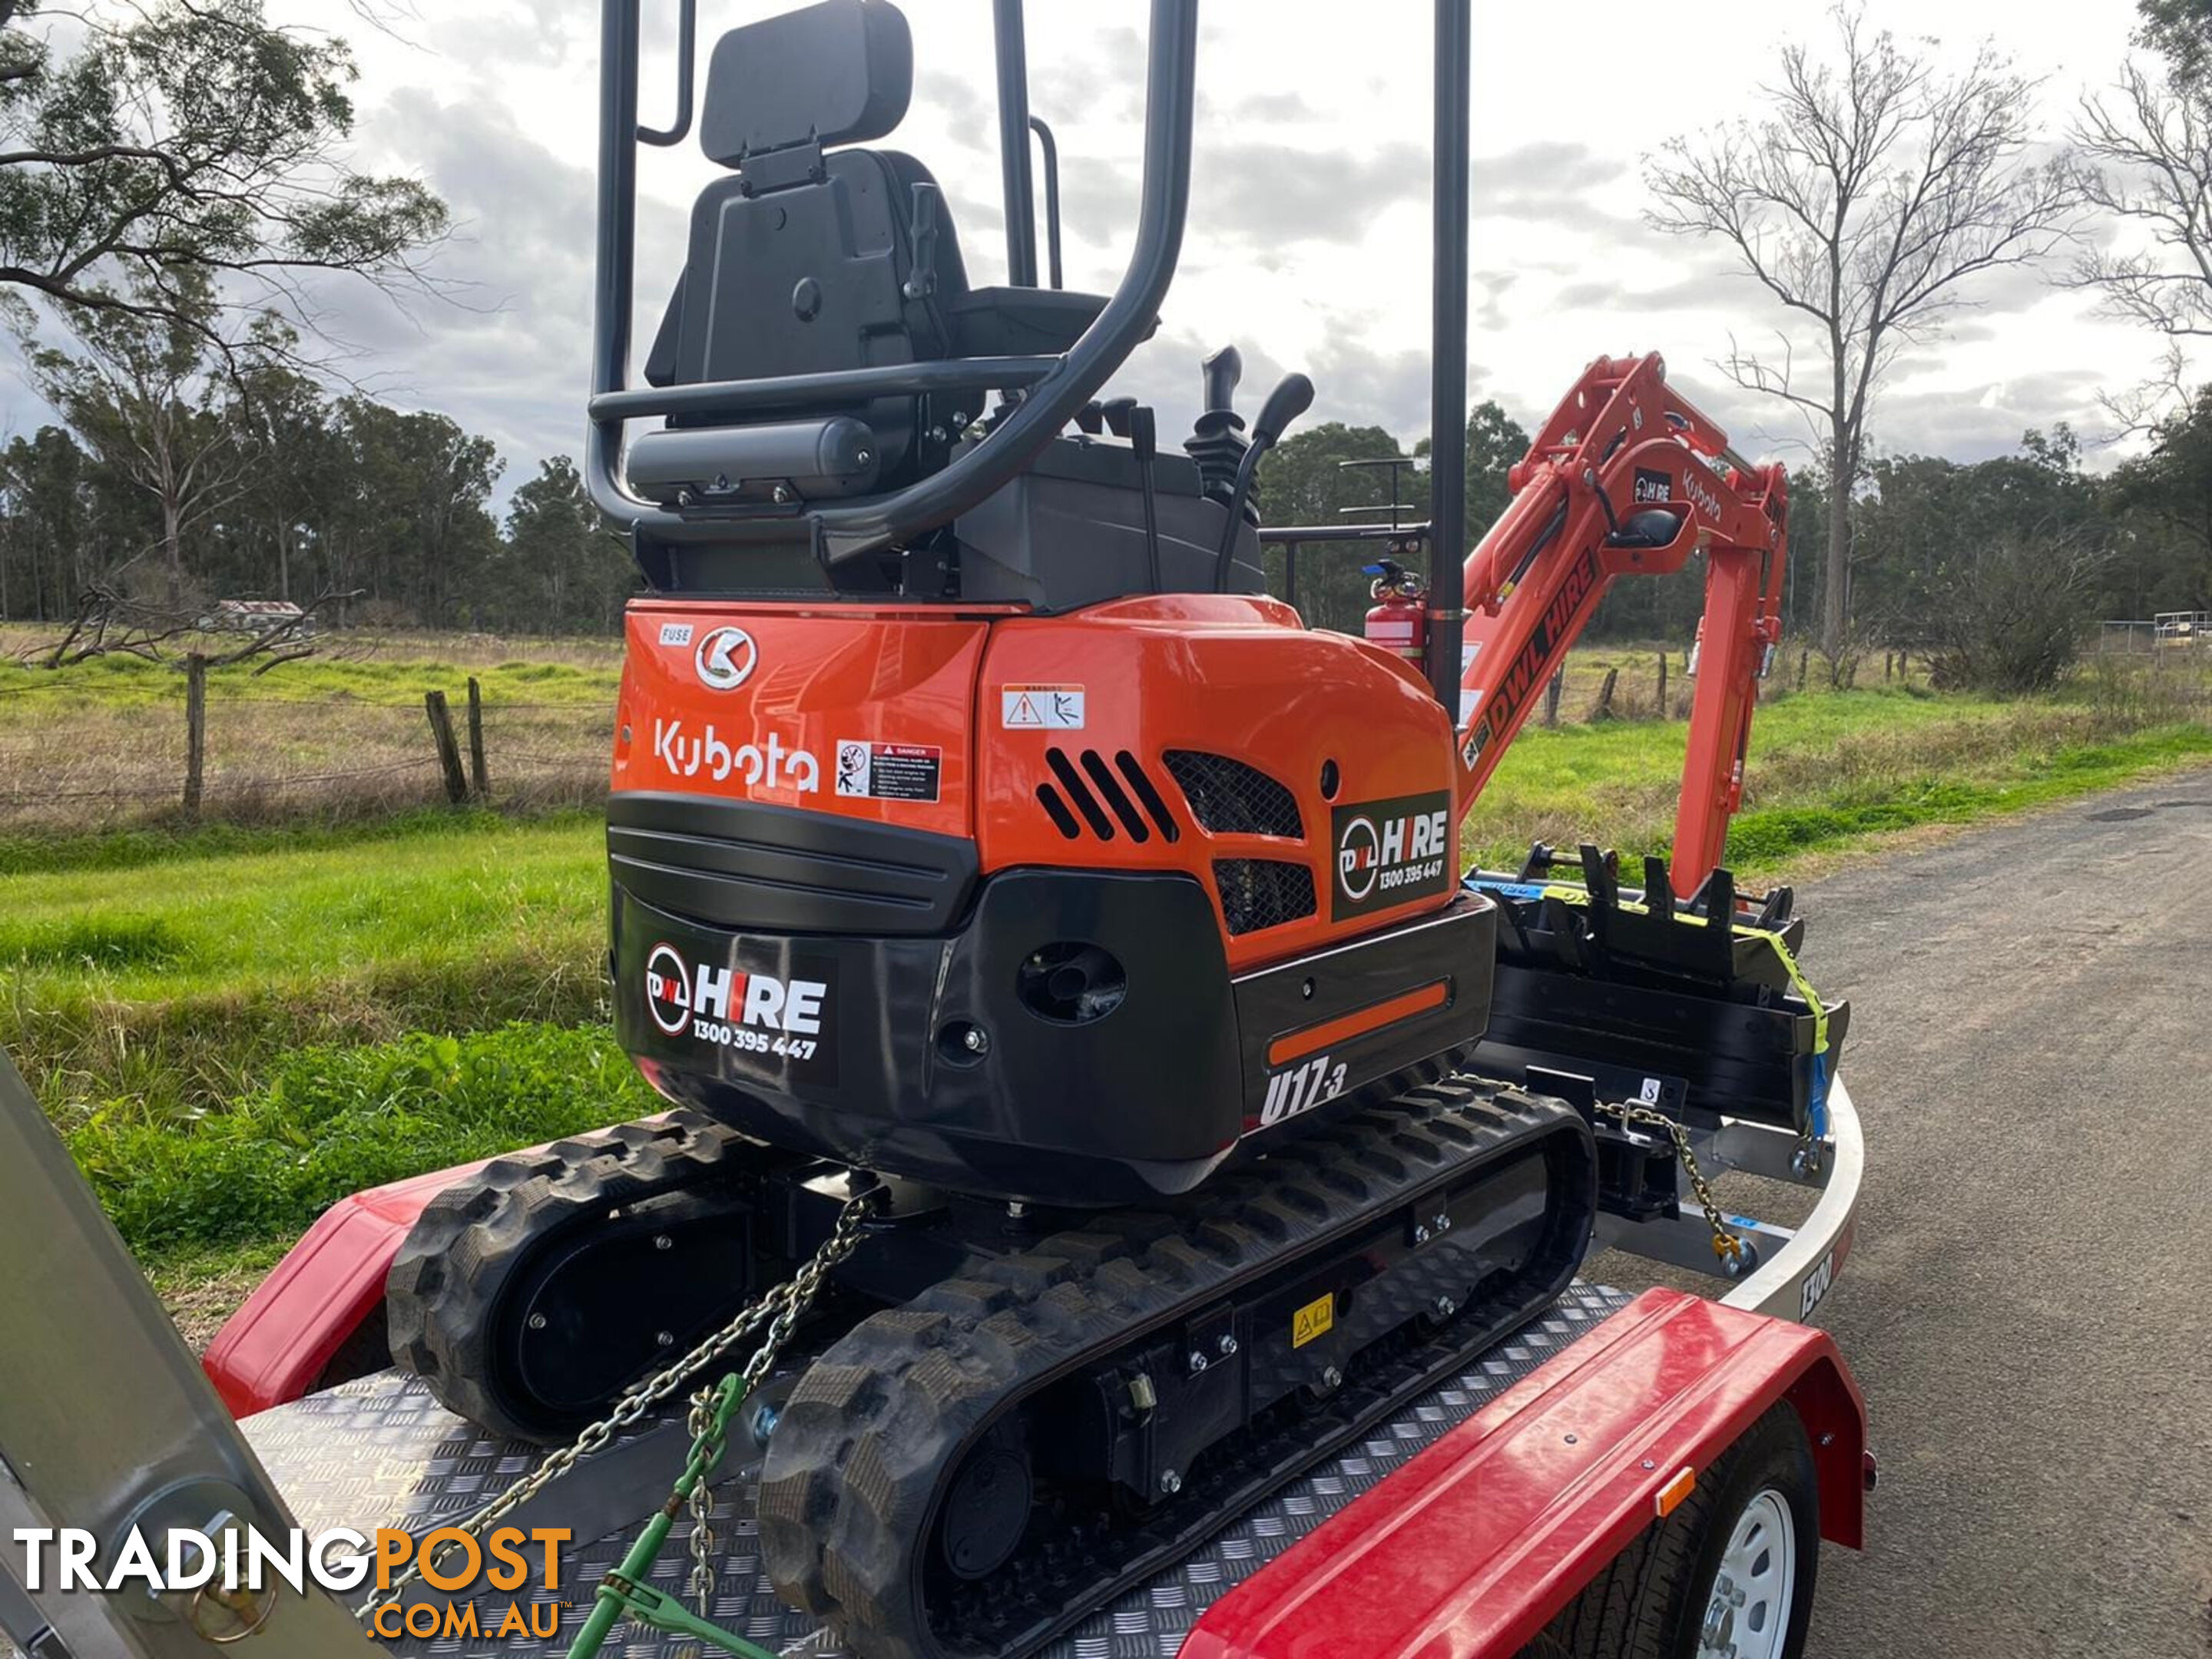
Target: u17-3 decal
1300	1088
1390	851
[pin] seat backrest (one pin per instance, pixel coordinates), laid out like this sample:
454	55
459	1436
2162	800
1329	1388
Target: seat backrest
799	262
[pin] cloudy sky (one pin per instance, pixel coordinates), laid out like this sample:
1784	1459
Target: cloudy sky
1308	239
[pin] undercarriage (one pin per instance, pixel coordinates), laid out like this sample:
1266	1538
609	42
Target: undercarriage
992	1424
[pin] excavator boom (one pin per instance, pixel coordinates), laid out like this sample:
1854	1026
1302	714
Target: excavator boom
1628	477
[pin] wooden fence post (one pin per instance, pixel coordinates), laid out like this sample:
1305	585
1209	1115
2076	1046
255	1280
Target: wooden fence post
449	752
478	780
1604	709
1804	660
195	730
1663	685
1551	694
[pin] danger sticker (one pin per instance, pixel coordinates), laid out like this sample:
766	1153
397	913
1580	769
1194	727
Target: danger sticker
1040	708
889	771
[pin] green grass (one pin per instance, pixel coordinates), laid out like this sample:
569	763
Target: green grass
164	989
234	1026
332	1120
1827	772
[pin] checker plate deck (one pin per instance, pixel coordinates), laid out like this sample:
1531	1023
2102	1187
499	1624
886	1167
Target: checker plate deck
380	1451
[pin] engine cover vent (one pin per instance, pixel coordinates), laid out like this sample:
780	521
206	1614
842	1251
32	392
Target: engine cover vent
1258	893
1228	798
1087	792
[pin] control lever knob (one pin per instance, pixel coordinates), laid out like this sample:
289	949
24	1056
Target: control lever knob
1293	395
1224	369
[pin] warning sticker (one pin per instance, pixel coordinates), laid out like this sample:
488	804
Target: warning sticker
1313	1320
1042	707
889	771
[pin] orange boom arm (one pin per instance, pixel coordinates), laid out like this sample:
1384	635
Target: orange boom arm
1626	477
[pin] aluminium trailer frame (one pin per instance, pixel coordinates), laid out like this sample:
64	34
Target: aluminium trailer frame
1529	1473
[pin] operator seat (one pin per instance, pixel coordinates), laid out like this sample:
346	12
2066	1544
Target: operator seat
803	262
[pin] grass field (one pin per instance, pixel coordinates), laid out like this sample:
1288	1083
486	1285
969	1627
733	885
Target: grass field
99	745
233	1026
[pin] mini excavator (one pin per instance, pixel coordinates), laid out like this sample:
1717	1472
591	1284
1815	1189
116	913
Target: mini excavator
988	851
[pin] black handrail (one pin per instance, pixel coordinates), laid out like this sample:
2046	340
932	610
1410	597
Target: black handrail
832	387
1010	38
857	528
1448	353
1048	147
687	36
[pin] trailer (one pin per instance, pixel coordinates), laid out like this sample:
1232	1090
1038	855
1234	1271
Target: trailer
1611	1462
1135	1254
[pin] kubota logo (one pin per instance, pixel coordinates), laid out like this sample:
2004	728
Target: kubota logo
726	659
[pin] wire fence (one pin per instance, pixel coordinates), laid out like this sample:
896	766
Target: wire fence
74	758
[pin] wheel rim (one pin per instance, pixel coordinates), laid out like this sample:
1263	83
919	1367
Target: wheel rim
1755	1592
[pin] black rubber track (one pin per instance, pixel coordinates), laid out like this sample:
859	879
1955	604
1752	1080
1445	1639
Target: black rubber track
876	1426
445	1294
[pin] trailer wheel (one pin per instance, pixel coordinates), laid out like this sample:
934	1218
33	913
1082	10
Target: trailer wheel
1729	1575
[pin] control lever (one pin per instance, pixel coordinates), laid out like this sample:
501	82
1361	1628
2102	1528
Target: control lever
1144	440
1224	369
1117	412
1293	395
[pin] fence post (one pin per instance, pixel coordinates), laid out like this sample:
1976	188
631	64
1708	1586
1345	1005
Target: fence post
1663	685
1551	694
1804	660
1604	709
449	752
478	780
195	730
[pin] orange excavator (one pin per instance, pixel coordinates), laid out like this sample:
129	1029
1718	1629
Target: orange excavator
1091	1048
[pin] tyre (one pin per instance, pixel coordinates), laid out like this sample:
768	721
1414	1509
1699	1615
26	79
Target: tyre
1729	1575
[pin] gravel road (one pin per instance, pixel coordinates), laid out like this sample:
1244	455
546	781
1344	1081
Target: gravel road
2029	1306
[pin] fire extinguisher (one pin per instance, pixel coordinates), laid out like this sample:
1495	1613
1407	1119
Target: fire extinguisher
1400	620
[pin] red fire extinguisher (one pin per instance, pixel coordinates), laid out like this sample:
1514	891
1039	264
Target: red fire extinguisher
1400	620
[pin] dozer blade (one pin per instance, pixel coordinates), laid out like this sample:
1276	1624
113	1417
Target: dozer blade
972	1472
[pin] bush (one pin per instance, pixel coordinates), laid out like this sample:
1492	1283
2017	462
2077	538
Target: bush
2010	616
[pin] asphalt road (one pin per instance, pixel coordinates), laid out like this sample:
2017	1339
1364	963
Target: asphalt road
2029	1304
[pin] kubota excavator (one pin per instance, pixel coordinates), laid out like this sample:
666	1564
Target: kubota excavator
1091	1048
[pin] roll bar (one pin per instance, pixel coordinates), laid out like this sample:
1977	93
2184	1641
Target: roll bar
1056	386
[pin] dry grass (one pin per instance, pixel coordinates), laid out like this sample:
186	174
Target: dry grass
100	745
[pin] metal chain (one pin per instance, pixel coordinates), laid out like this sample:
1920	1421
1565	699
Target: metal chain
805	1285
780	1309
1726	1245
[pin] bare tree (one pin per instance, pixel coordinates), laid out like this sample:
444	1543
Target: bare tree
2146	160
1864	201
